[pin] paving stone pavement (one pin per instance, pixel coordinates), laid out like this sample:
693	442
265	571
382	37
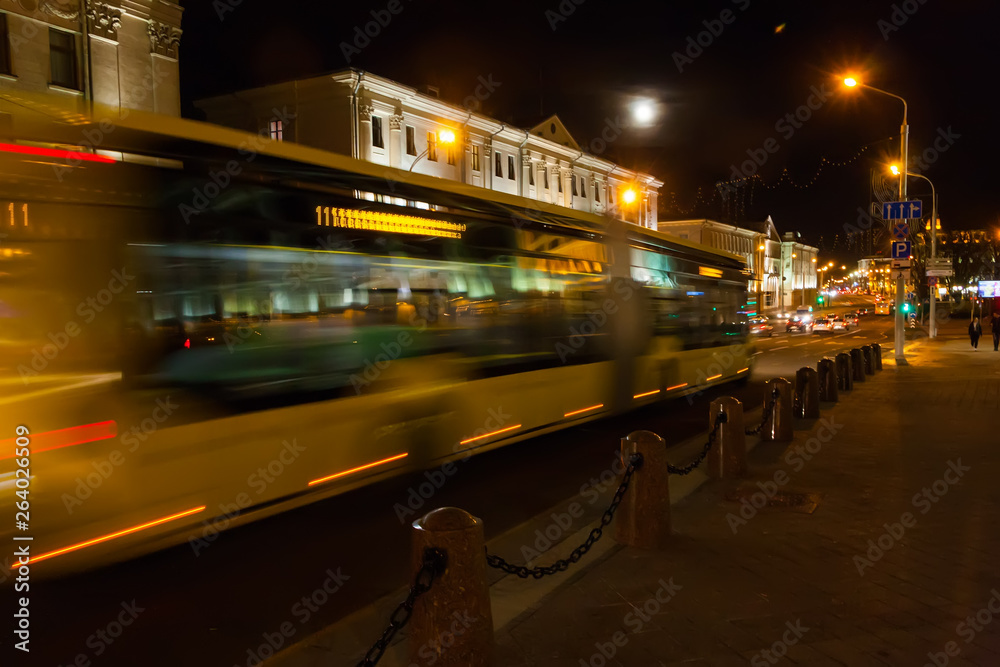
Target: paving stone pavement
899	553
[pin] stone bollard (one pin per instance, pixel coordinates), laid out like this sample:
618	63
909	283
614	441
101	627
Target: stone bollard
459	596
778	426
728	456
877	349
806	393
827	370
845	373
869	358
857	365
643	518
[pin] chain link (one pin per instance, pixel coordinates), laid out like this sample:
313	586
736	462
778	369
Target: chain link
686	470
433	566
561	565
768	408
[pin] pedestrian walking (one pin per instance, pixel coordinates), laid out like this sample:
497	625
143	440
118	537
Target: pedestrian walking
975	331
995	329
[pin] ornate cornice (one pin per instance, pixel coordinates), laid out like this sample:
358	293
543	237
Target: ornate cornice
396	122
365	111
164	40
64	9
104	20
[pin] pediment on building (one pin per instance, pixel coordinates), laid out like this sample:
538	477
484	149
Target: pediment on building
553	129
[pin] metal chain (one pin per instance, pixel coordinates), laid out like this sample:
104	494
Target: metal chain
433	566
674	470
561	565
768	407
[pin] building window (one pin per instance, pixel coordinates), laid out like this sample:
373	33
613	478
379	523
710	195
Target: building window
611	194
450	155
510	167
545	175
559	178
583	188
411	140
597	192
475	158
573	178
377	140
62	59
498	164
276	129
432	147
4	46
531	174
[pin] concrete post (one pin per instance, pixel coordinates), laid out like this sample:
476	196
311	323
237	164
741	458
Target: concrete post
778	426
728	456
845	373
857	365
877	350
453	621
827	370
807	393
869	359
643	518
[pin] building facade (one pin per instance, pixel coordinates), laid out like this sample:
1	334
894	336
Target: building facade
119	53
798	272
874	275
372	118
758	243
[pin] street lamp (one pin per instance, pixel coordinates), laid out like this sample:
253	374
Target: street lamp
904	132
446	137
932	328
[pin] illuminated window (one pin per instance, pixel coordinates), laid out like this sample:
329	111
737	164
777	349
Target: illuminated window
475	158
450	156
62	59
4	46
411	140
498	164
510	167
277	130
432	147
377	140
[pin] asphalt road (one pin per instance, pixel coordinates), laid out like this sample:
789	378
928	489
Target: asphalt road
212	608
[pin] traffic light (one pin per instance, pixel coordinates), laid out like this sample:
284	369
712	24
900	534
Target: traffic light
906	307
819	299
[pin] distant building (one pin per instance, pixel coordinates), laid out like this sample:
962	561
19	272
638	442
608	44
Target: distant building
375	119
758	243
874	274
125	57
798	272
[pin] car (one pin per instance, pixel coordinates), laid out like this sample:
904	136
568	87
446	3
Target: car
822	326
883	308
862	311
851	320
838	324
760	326
797	323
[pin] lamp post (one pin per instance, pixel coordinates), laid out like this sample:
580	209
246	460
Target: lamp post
904	132
446	137
932	328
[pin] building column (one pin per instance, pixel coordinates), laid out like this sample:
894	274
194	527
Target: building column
567	198
526	176
365	131
487	165
653	204
541	194
395	140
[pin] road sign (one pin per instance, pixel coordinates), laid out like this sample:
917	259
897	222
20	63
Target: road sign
932	281
939	262
901	250
901	264
901	210
900	231
941	273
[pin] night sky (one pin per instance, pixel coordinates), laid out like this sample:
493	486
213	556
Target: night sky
588	62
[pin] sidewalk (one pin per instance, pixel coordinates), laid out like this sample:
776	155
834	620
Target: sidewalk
896	553
900	550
